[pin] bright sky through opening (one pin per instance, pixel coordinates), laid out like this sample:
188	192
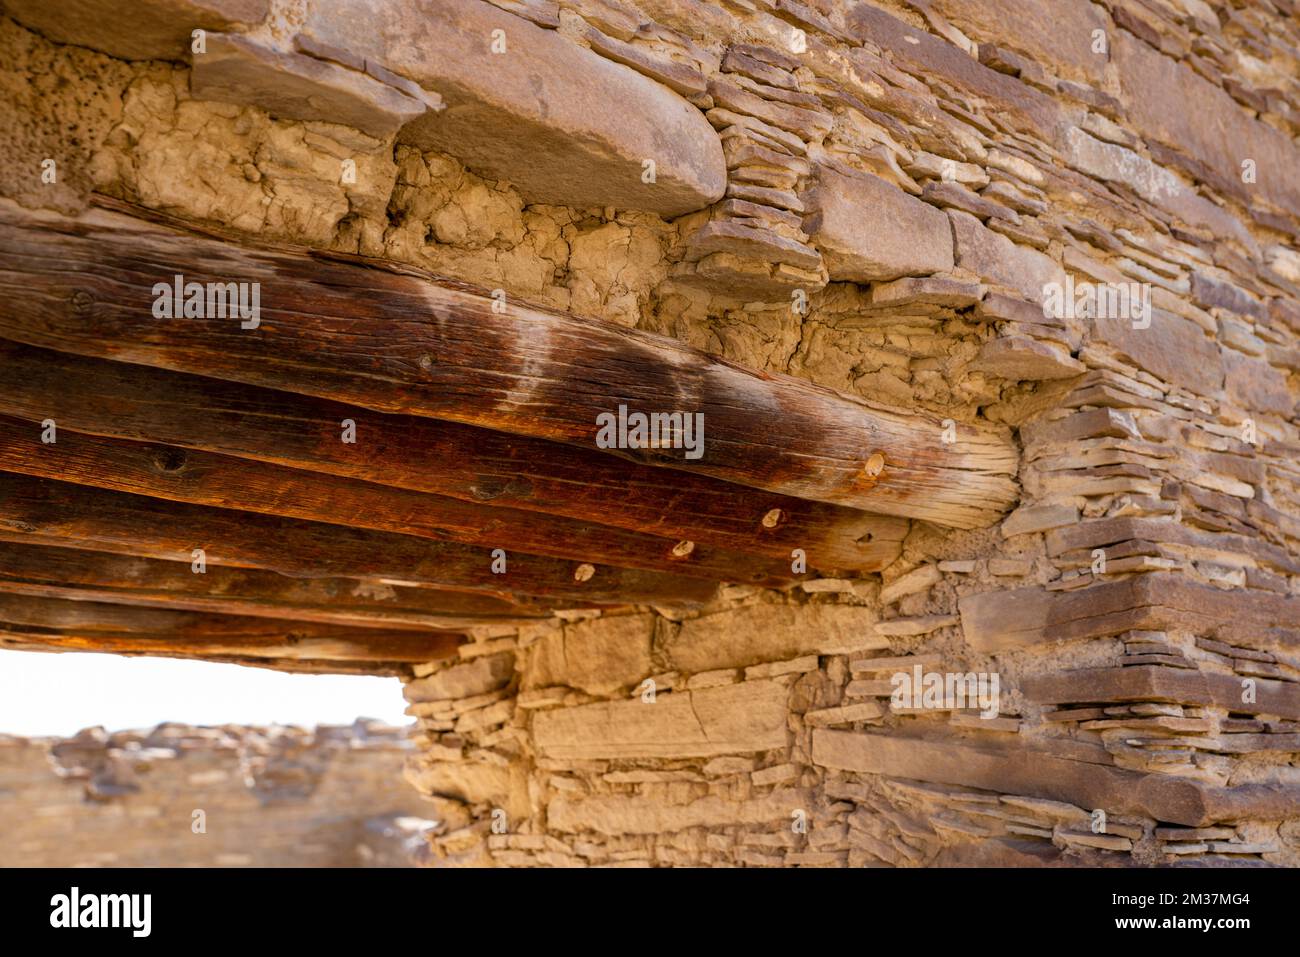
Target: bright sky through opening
59	694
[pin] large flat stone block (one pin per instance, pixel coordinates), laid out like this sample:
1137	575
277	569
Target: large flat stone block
870	230
562	124
1163	797
1216	134
135	30
732	719
296	87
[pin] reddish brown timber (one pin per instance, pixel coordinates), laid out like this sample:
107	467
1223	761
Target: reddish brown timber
91	626
444	458
73	573
396	339
78	516
311	666
207	478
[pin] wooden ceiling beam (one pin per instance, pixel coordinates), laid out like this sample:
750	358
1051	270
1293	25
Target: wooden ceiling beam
395	339
442	458
44	511
370	667
222	481
92	626
73	573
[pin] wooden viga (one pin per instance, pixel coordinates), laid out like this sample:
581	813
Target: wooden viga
368	460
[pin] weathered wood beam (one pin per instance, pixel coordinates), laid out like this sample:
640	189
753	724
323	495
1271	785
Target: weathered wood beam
207	478
444	458
92	626
398	340
311	666
73	573
45	512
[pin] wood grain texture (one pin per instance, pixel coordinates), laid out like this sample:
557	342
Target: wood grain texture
397	340
73	573
91	626
444	458
207	478
46	512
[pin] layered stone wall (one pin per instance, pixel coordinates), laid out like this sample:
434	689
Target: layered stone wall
880	198
233	796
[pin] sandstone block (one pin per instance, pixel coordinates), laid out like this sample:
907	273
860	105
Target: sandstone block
773	669
476	677
919	579
805	123
1257	386
562	124
1022	771
688	80
996	307
746	636
932	291
998	259
139	30
763	244
922	53
1217	133
1010	567
1157	185
868	229
1053	33
1171	347
731	719
866	711
599	656
956	196
634	814
1095	423
296	87
1003	620
922	625
1022	358
1158	683
1038	518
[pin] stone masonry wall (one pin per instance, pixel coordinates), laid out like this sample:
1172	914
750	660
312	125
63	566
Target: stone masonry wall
269	797
880	198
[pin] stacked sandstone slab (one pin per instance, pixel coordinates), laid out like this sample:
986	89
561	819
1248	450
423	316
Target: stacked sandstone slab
268	797
876	197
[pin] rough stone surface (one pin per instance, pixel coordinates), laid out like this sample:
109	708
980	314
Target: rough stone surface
1171	347
732	638
60	104
539	114
997	259
271	797
870	230
1059	34
139	30
483	674
296	87
599	656
732	719
1149	568
1155	88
